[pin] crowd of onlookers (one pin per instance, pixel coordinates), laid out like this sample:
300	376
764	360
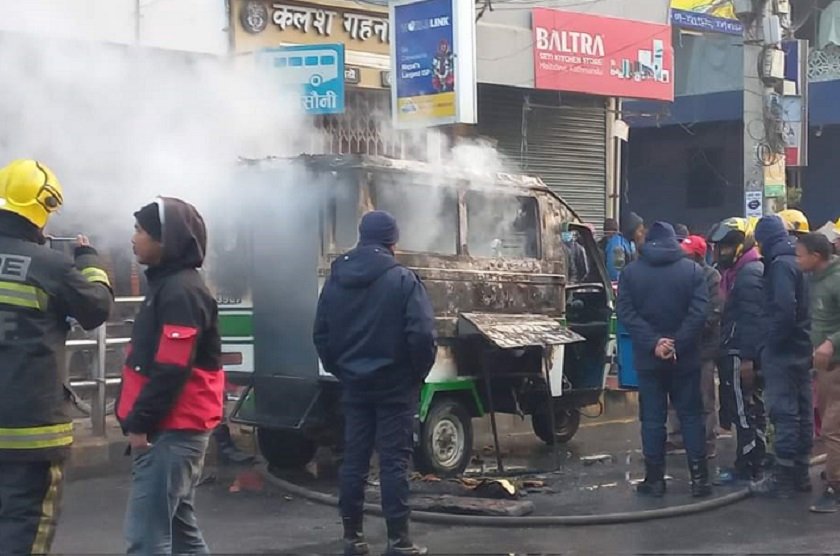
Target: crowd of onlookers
734	330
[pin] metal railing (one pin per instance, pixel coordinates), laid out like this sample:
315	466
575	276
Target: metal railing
98	381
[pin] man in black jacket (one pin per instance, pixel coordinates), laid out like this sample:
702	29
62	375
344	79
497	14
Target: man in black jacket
172	385
663	301
741	391
786	360
374	331
40	289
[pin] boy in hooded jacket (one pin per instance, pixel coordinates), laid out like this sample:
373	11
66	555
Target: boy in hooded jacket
662	301
172	386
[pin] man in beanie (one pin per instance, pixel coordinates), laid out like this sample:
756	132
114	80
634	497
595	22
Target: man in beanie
663	302
172	384
786	360
610	229
375	332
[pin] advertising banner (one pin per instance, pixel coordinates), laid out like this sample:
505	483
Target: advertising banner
433	59
317	69
715	16
602	55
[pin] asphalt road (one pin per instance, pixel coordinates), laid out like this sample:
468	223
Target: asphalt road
270	523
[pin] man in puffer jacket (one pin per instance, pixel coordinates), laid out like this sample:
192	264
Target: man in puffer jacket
786	361
663	301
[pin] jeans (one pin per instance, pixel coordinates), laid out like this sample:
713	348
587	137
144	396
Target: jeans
161	513
789	395
682	386
30	499
710	413
389	427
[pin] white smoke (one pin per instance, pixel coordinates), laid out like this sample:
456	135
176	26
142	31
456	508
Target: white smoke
120	125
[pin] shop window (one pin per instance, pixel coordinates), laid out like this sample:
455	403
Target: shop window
427	215
502	226
706	181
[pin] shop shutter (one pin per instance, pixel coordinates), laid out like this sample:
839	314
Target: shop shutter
560	138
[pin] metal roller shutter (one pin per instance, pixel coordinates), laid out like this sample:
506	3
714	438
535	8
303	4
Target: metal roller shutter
564	143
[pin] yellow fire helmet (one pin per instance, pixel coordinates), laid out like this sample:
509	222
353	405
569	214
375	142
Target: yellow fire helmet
795	221
30	190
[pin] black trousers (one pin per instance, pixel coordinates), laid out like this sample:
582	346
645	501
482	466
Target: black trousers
743	408
30	497
388	427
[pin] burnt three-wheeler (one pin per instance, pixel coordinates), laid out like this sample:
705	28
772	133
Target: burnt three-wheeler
514	335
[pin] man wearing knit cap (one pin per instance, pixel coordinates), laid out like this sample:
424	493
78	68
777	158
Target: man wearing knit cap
374	331
663	302
786	361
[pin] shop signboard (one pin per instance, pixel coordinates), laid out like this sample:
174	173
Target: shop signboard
715	16
602	55
317	70
433	59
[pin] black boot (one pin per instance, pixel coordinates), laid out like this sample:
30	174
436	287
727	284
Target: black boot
399	541
802	477
654	483
228	451
354	537
779	483
700	487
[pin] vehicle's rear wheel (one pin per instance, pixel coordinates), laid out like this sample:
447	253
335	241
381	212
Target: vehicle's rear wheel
566	423
285	449
445	439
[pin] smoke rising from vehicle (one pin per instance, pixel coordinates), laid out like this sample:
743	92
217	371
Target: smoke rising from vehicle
120	125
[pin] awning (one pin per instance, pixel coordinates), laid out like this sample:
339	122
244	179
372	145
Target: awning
516	331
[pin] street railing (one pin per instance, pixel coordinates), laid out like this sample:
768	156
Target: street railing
97	380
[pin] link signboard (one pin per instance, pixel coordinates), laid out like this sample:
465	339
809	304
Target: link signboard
433	59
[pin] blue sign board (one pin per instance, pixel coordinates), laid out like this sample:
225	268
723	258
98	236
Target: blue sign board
317	69
705	22
424	57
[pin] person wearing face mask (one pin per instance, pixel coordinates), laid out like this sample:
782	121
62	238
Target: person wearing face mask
575	257
741	388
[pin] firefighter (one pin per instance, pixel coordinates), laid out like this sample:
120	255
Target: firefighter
172	385
40	289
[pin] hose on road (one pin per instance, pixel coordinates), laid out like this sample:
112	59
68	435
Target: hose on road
528	521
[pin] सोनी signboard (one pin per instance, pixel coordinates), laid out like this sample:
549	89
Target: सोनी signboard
433	60
318	70
602	55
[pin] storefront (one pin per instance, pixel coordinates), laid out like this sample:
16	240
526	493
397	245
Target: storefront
557	120
363	29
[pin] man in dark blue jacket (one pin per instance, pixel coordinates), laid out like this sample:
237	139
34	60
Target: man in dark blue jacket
374	331
786	360
663	302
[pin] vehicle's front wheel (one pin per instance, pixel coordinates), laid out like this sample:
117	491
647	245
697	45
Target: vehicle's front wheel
285	449
566	424
445	439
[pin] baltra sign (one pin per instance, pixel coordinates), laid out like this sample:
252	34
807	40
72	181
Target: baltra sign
602	55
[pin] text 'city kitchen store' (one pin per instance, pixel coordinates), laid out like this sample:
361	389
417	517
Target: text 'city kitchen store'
365	33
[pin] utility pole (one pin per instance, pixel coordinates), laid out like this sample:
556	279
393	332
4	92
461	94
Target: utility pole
763	82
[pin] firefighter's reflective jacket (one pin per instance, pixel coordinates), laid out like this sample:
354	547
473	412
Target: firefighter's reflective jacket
39	289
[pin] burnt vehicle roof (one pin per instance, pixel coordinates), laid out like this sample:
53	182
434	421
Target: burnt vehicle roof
488	180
